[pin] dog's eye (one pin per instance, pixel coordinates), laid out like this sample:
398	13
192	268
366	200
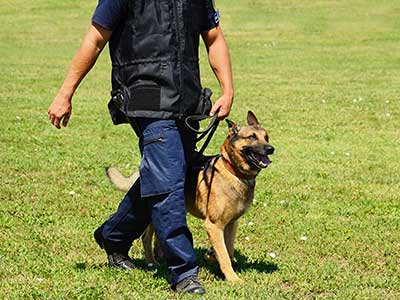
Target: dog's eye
267	138
252	137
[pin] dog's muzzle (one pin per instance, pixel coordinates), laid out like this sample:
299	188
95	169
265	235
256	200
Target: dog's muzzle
258	156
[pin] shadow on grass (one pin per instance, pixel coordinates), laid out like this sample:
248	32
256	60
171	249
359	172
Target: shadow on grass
241	264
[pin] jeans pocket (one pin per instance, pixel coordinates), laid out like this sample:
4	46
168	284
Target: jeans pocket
153	140
162	169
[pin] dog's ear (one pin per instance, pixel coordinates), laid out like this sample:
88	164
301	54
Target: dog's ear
232	126
251	119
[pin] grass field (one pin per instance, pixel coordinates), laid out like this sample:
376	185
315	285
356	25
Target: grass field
322	76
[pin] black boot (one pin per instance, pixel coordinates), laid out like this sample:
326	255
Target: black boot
116	258
191	285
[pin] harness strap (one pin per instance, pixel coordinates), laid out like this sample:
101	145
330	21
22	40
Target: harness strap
213	169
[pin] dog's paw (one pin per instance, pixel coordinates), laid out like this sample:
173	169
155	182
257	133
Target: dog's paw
235	279
239	281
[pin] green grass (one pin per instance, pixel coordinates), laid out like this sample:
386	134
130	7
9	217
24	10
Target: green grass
322	76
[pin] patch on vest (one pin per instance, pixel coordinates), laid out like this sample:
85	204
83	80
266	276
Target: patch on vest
145	98
217	16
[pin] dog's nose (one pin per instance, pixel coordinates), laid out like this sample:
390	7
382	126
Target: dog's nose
269	149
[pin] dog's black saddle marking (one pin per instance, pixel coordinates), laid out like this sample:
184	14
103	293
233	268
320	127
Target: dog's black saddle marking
199	163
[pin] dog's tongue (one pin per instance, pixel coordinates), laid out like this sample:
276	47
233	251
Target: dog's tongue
264	159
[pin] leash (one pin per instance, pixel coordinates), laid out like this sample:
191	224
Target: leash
209	131
201	113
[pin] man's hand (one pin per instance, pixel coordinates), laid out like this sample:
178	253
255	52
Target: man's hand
93	43
60	111
222	106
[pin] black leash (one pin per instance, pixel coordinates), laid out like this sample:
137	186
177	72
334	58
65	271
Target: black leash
209	131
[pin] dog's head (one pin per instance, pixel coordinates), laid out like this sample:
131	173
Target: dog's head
247	148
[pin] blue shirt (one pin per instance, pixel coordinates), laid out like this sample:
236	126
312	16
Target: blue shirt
110	13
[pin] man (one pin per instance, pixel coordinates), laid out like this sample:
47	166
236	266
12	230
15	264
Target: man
156	83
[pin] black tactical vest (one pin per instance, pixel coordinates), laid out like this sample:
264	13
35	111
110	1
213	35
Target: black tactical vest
154	54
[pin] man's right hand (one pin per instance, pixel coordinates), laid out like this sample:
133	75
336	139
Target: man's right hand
60	111
93	43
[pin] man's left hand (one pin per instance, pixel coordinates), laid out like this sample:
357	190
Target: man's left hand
222	106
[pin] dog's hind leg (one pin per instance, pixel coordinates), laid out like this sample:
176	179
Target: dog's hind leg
216	236
157	250
147	239
229	235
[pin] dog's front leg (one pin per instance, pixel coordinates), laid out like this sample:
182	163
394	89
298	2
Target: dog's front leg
216	235
229	235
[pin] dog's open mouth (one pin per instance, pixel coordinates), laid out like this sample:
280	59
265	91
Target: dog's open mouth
259	160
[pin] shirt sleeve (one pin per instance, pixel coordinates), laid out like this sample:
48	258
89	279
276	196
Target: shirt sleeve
211	17
109	13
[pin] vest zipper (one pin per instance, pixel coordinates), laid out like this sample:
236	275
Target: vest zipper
180	56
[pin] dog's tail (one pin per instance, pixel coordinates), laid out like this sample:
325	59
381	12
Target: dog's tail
120	181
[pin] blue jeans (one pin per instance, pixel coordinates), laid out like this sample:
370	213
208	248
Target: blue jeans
158	197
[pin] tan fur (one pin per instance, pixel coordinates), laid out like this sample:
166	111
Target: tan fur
120	181
220	197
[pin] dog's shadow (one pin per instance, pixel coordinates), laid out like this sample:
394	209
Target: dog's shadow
241	263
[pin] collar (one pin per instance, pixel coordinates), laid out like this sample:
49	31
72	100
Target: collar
235	173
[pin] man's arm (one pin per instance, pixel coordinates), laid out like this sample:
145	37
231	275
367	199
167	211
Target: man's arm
84	59
218	57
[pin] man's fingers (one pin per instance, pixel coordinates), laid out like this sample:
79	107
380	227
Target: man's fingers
56	122
51	118
222	114
220	109
65	120
214	109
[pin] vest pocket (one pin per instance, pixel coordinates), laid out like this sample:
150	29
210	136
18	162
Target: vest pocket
152	17
144	97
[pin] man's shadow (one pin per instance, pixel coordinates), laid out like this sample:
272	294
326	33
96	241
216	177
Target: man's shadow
240	264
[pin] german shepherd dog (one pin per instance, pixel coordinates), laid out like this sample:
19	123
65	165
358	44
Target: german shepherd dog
221	192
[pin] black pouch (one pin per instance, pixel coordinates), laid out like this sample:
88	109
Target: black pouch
116	107
204	106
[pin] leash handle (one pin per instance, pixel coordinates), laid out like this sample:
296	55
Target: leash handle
209	137
198	118
209	131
